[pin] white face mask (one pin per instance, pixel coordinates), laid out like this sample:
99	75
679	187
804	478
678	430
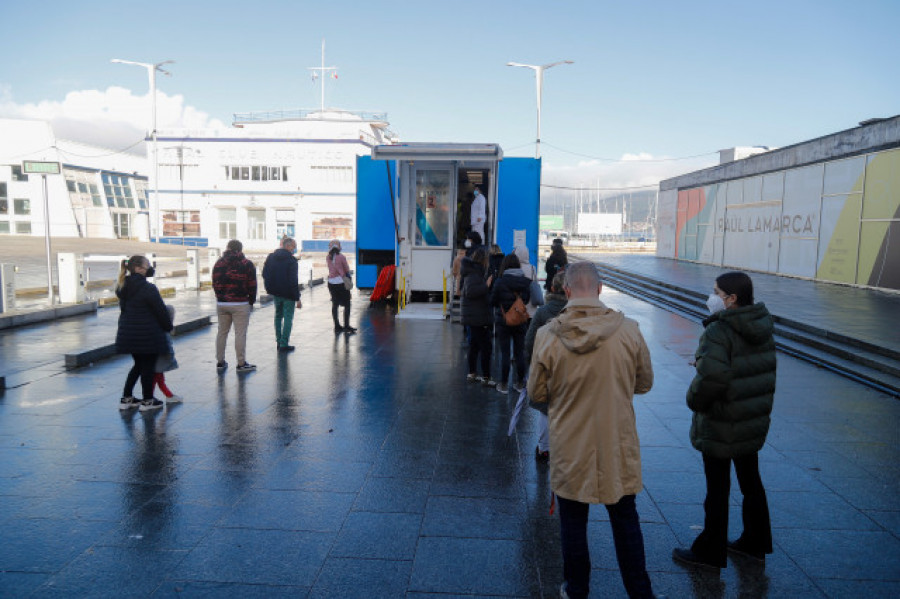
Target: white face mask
468	243
715	303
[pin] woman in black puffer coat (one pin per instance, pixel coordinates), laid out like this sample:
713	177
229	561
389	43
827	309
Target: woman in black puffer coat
143	324
731	397
475	312
512	282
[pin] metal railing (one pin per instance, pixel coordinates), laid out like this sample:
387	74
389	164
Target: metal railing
273	116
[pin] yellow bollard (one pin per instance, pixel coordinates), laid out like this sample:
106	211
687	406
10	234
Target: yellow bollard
444	295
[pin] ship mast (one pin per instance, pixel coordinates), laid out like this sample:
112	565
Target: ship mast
320	72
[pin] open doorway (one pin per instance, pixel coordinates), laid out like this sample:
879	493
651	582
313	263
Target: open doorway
469	179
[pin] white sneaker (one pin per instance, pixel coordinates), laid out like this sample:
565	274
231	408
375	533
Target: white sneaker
174	399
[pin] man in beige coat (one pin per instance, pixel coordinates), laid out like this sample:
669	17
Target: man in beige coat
587	365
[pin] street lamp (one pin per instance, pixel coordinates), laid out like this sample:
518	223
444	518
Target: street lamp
539	81
151	71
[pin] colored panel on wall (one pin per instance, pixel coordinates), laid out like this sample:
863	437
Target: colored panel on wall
882	193
706	224
839	238
879	263
666	231
681	223
799	224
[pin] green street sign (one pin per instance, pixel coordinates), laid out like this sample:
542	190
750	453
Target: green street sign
32	167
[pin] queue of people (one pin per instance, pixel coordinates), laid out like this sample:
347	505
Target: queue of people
579	362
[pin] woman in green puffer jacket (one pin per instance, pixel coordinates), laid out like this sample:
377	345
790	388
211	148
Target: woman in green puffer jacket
731	397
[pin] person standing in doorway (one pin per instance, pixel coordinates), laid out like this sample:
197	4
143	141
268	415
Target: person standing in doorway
732	396
280	278
478	213
338	275
588	363
141	332
234	282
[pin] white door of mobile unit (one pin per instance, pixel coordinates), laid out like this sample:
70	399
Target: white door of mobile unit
432	219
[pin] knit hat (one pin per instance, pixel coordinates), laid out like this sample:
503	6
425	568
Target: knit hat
334	243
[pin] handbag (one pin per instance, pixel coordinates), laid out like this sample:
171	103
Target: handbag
348	282
517	314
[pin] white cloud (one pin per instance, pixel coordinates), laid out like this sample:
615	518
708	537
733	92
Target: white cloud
113	118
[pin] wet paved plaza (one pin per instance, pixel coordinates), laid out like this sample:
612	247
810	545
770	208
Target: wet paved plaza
365	466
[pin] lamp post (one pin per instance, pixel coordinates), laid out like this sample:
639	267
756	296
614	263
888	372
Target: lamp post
539	81
151	71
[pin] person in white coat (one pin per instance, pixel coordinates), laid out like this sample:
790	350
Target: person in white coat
478	213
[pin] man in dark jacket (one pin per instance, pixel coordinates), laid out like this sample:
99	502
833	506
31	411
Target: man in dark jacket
234	281
280	277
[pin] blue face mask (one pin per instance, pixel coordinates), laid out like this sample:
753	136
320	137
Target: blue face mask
293	250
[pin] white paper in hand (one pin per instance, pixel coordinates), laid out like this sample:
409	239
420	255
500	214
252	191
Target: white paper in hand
516	412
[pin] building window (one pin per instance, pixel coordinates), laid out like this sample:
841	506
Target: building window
140	190
17	174
181	223
96	200
285	223
22	206
118	191
23	227
332	173
227	223
4	199
256	173
4	227
256	223
332	227
122	224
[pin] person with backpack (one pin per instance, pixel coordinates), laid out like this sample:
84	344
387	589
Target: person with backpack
510	294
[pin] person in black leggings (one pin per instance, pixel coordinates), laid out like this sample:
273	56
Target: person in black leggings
143	324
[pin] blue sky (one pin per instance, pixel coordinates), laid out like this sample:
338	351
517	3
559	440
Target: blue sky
651	79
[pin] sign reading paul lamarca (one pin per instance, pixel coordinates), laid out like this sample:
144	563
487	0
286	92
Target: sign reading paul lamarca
797	224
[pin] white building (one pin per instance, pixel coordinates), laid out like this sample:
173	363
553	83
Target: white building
272	174
100	192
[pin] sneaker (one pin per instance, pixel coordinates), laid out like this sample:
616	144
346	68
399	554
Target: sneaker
502	388
472	378
519	387
338	328
286	348
174	399
738	548
151	404
245	367
541	456
127	402
689	558
488	381
349	329
221	366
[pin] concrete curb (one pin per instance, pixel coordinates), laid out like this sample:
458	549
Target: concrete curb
8	321
96	354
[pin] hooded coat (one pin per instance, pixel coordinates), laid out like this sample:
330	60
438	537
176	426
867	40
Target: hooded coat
143	318
587	365
734	388
475	311
280	275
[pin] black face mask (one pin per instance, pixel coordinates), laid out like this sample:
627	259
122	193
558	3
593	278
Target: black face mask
150	272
